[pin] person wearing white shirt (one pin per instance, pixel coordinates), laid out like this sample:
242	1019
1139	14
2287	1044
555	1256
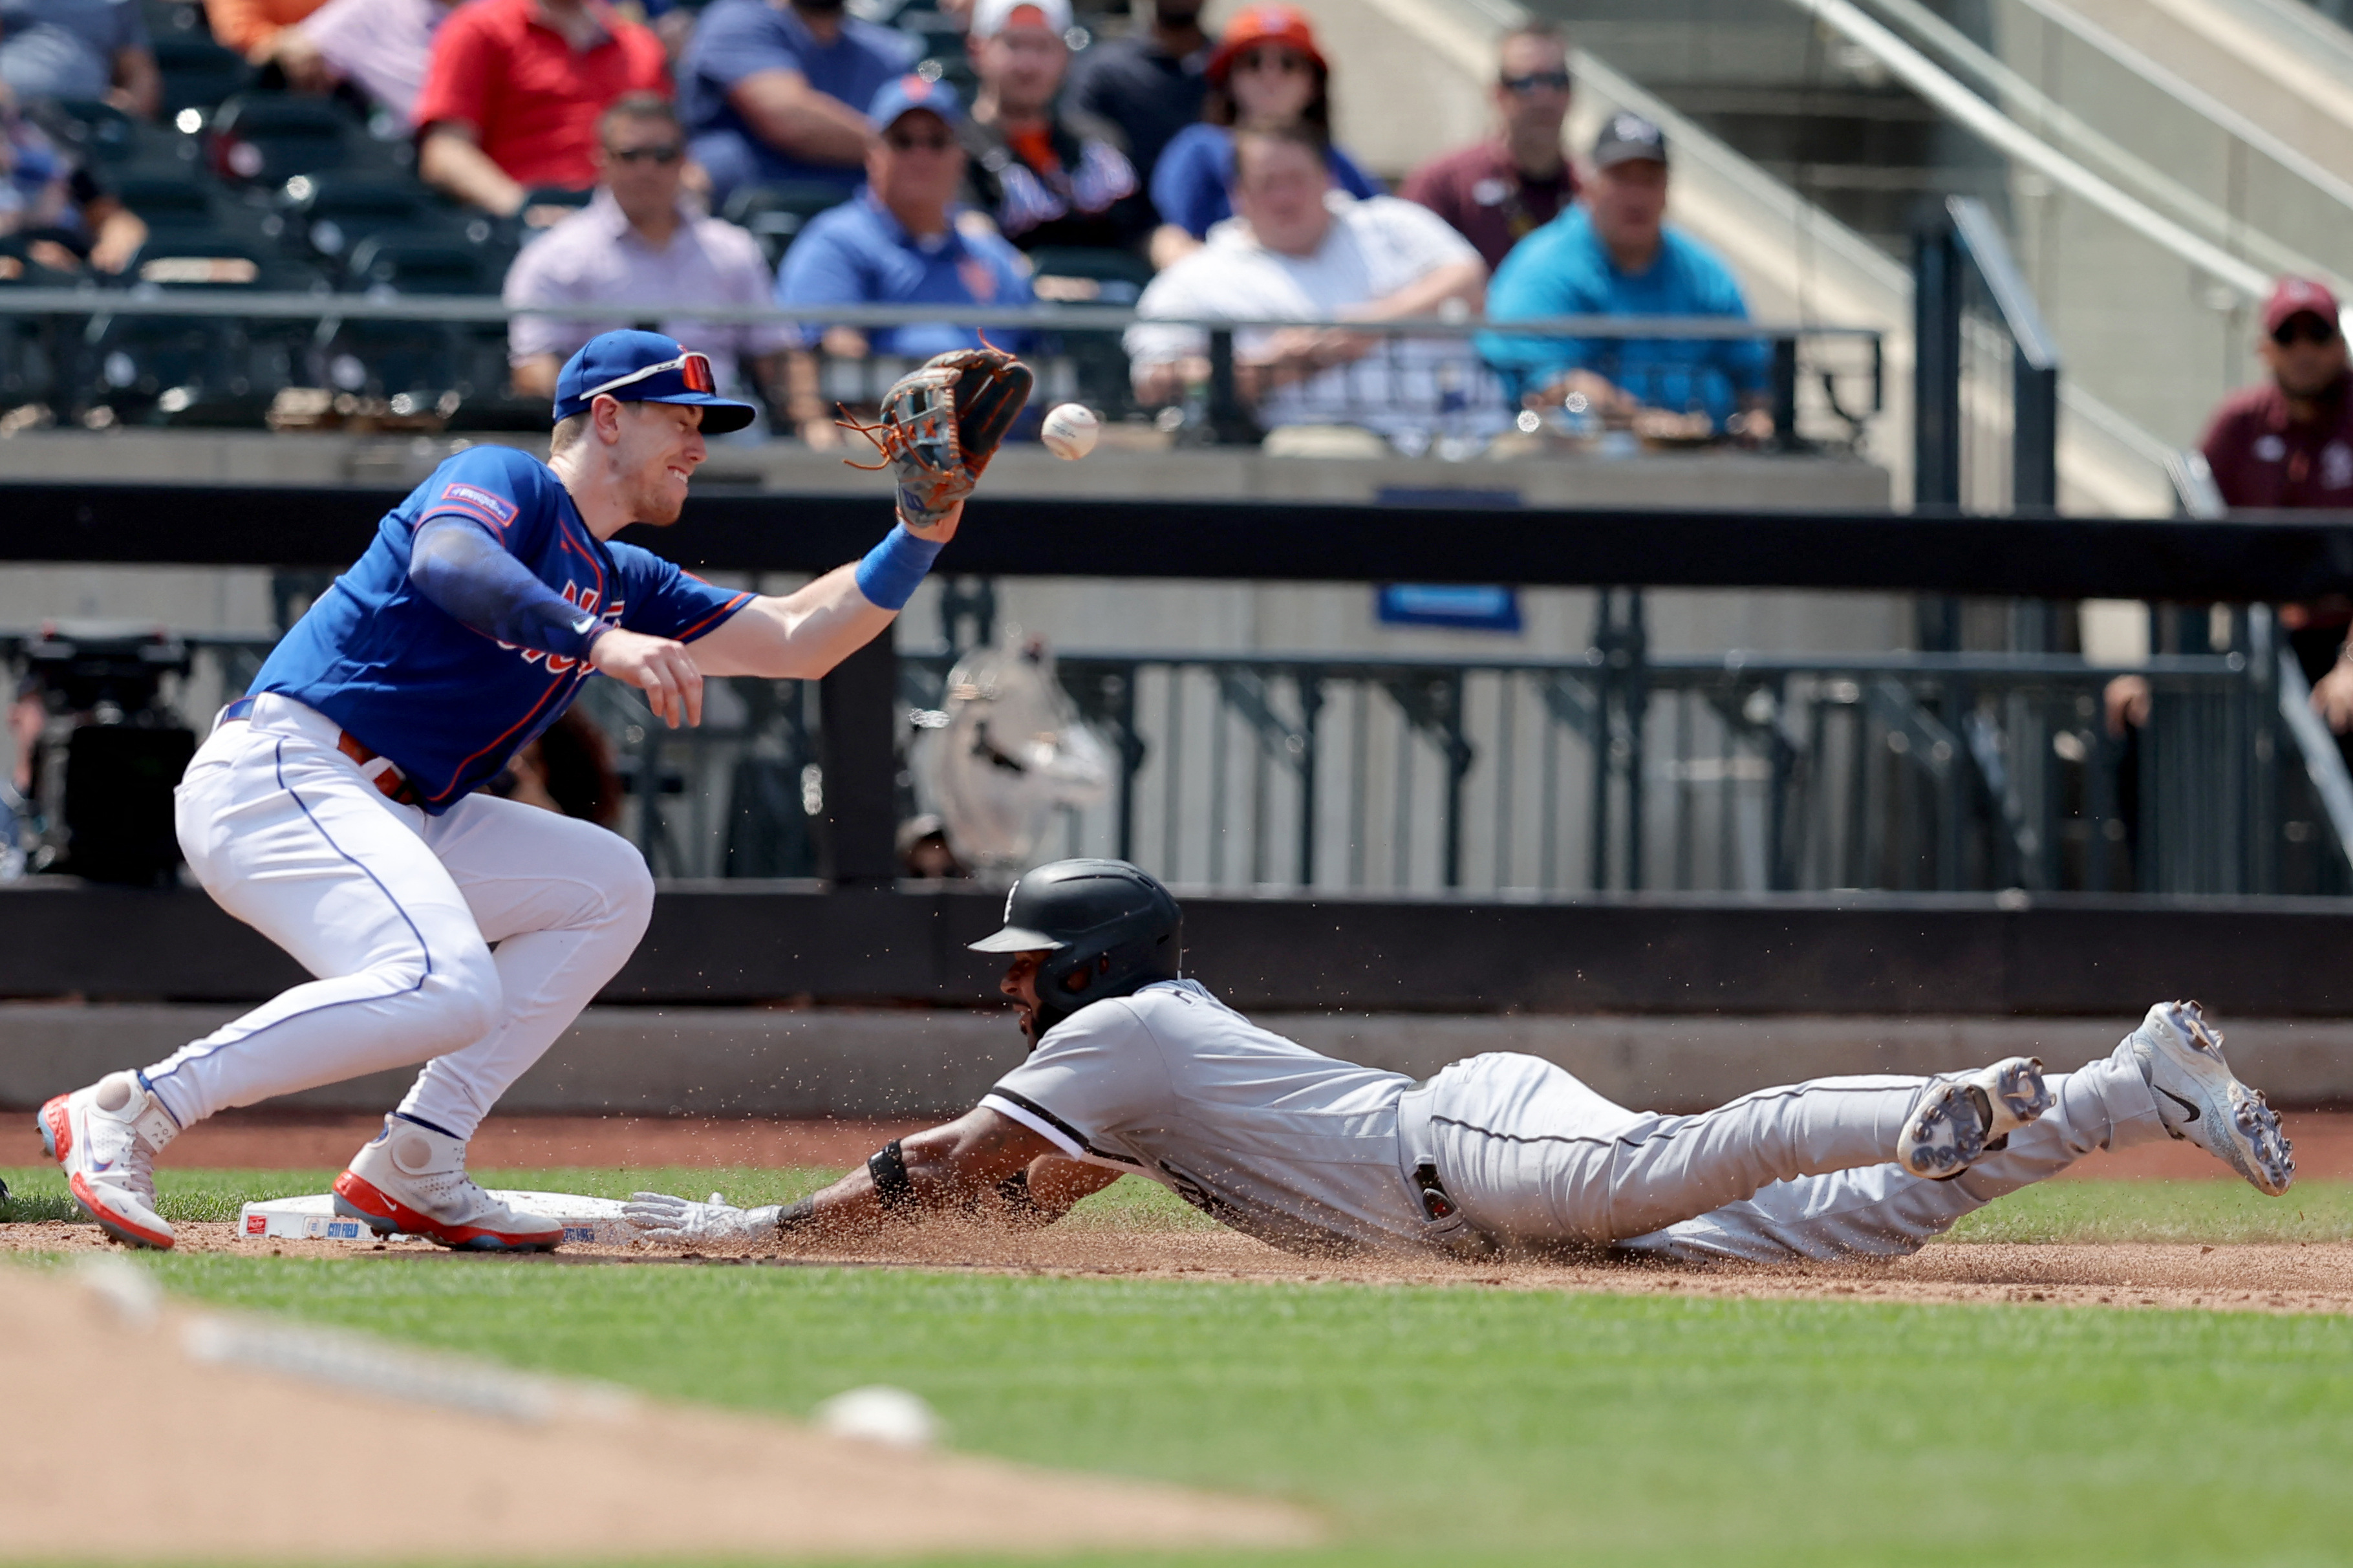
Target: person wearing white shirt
1298	250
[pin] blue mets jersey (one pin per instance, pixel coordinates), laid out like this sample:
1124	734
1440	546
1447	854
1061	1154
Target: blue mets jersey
449	704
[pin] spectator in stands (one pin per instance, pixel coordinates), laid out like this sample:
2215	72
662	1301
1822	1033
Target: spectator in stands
1613	254
2288	443
900	241
637	242
775	92
251	27
513	91
1501	190
79	48
1293	253
381	48
53	210
1148	83
1046	176
1267	73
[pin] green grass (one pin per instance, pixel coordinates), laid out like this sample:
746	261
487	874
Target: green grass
1435	1426
2215	1211
192	1196
1447	1425
2211	1210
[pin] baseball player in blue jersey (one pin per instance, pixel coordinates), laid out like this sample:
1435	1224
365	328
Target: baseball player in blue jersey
335	807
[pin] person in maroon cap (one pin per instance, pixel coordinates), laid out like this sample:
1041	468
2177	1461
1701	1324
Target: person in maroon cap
2283	443
1507	187
2289	443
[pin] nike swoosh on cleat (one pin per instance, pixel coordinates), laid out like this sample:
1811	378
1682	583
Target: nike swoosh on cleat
2178	1101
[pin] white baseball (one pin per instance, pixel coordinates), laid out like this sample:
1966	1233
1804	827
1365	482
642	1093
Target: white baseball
881	1413
1070	431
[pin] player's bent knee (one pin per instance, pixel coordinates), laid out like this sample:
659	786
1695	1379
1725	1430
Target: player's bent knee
629	888
461	1002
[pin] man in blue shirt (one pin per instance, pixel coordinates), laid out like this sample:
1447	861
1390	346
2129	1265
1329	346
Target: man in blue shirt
1613	254
902	240
334	807
773	93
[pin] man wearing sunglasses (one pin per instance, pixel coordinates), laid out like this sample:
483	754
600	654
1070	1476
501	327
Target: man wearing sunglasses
637	243
1503	189
2287	442
904	239
336	809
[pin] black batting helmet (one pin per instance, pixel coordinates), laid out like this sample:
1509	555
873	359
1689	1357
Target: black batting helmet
1108	929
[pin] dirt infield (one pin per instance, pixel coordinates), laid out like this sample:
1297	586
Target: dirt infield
229	1464
2314	1277
267	1141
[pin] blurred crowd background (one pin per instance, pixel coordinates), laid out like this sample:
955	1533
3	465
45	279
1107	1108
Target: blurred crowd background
1983	256
570	156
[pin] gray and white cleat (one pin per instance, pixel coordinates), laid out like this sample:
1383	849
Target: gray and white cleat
2199	1099
1957	1121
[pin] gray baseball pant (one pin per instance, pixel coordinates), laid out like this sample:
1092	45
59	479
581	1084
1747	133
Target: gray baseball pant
1534	1159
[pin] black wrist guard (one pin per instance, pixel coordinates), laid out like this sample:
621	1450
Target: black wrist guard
888	1166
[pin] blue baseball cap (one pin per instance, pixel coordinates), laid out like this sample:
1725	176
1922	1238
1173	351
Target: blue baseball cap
902	95
646	367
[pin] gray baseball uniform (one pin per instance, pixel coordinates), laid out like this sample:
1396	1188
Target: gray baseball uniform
1312	1154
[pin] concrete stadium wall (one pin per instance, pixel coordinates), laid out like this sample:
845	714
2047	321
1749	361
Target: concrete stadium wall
841	1062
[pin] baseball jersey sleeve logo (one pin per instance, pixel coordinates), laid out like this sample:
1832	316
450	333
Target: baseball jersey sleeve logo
489	505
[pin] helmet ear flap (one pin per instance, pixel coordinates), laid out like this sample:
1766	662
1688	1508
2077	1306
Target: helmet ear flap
1082	975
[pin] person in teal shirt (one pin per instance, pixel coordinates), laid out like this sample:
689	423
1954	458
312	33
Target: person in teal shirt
1613	254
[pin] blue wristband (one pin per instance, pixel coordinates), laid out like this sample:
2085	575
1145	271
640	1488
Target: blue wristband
893	569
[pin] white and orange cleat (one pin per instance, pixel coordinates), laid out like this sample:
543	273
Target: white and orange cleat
105	1138
411	1180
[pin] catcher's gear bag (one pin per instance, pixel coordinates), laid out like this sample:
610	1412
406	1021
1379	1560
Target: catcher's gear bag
941	423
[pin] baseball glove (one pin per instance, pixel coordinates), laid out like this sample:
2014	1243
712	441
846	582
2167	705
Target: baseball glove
941	423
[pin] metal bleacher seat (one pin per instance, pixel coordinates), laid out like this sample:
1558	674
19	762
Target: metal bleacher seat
263	139
29	344
414	263
175	205
110	142
195	370
325	217
198	73
776	213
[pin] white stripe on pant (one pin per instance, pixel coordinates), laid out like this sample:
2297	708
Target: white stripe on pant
1537	1159
396	912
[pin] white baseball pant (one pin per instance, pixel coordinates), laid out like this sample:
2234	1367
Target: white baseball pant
396	912
1880	1211
1534	1159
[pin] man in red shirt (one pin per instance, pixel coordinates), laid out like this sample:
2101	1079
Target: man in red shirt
1505	188
512	94
2289	443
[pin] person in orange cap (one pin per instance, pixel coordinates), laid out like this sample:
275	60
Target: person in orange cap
1267	73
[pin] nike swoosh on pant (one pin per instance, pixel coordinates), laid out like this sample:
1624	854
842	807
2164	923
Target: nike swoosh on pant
2180	1101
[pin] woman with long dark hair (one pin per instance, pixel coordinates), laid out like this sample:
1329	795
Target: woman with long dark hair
1267	73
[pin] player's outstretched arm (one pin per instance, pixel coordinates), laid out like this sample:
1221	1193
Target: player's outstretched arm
940	426
979	1165
803	635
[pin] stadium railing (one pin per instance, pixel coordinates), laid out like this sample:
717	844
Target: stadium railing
192	352
1620	769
